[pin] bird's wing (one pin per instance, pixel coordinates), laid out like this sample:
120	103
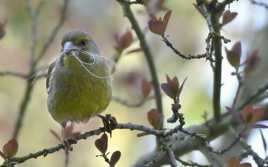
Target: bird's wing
50	69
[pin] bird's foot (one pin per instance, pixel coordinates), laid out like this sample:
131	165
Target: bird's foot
109	122
67	145
68	136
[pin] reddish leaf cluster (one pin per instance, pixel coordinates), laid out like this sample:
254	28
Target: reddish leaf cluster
102	145
172	88
228	16
155	118
234	55
159	25
123	41
10	149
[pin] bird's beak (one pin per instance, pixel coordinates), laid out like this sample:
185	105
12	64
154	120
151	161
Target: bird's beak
69	46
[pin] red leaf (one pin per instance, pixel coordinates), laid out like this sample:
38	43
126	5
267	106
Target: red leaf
171	87
146	88
158	26
233	55
252	61
155	118
10	148
228	16
102	143
124	40
114	158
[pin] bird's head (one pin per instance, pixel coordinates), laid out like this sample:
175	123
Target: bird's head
78	40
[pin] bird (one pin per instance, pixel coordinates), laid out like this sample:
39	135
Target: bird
78	81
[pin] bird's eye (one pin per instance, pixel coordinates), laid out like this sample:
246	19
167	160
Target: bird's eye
83	43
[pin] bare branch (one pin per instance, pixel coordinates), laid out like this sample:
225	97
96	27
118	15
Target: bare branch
133	105
147	53
262	4
177	52
191	164
44	152
14	74
172	158
212	18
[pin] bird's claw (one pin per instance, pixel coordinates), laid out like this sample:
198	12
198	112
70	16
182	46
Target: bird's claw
67	145
109	122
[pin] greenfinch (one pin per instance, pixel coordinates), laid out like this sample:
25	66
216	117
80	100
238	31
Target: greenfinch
78	82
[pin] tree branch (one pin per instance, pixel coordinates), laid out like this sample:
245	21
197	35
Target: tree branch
14	74
148	55
182	143
212	15
44	152
172	158
177	52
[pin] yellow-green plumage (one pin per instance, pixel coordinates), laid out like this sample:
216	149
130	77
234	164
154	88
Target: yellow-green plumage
78	84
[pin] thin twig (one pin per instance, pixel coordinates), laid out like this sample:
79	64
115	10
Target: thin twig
212	18
44	152
262	4
67	157
172	158
177	52
259	161
191	164
240	84
14	74
148	55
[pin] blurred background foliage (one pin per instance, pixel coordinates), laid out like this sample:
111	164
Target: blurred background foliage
103	19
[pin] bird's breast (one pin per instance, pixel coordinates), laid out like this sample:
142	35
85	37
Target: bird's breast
76	94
